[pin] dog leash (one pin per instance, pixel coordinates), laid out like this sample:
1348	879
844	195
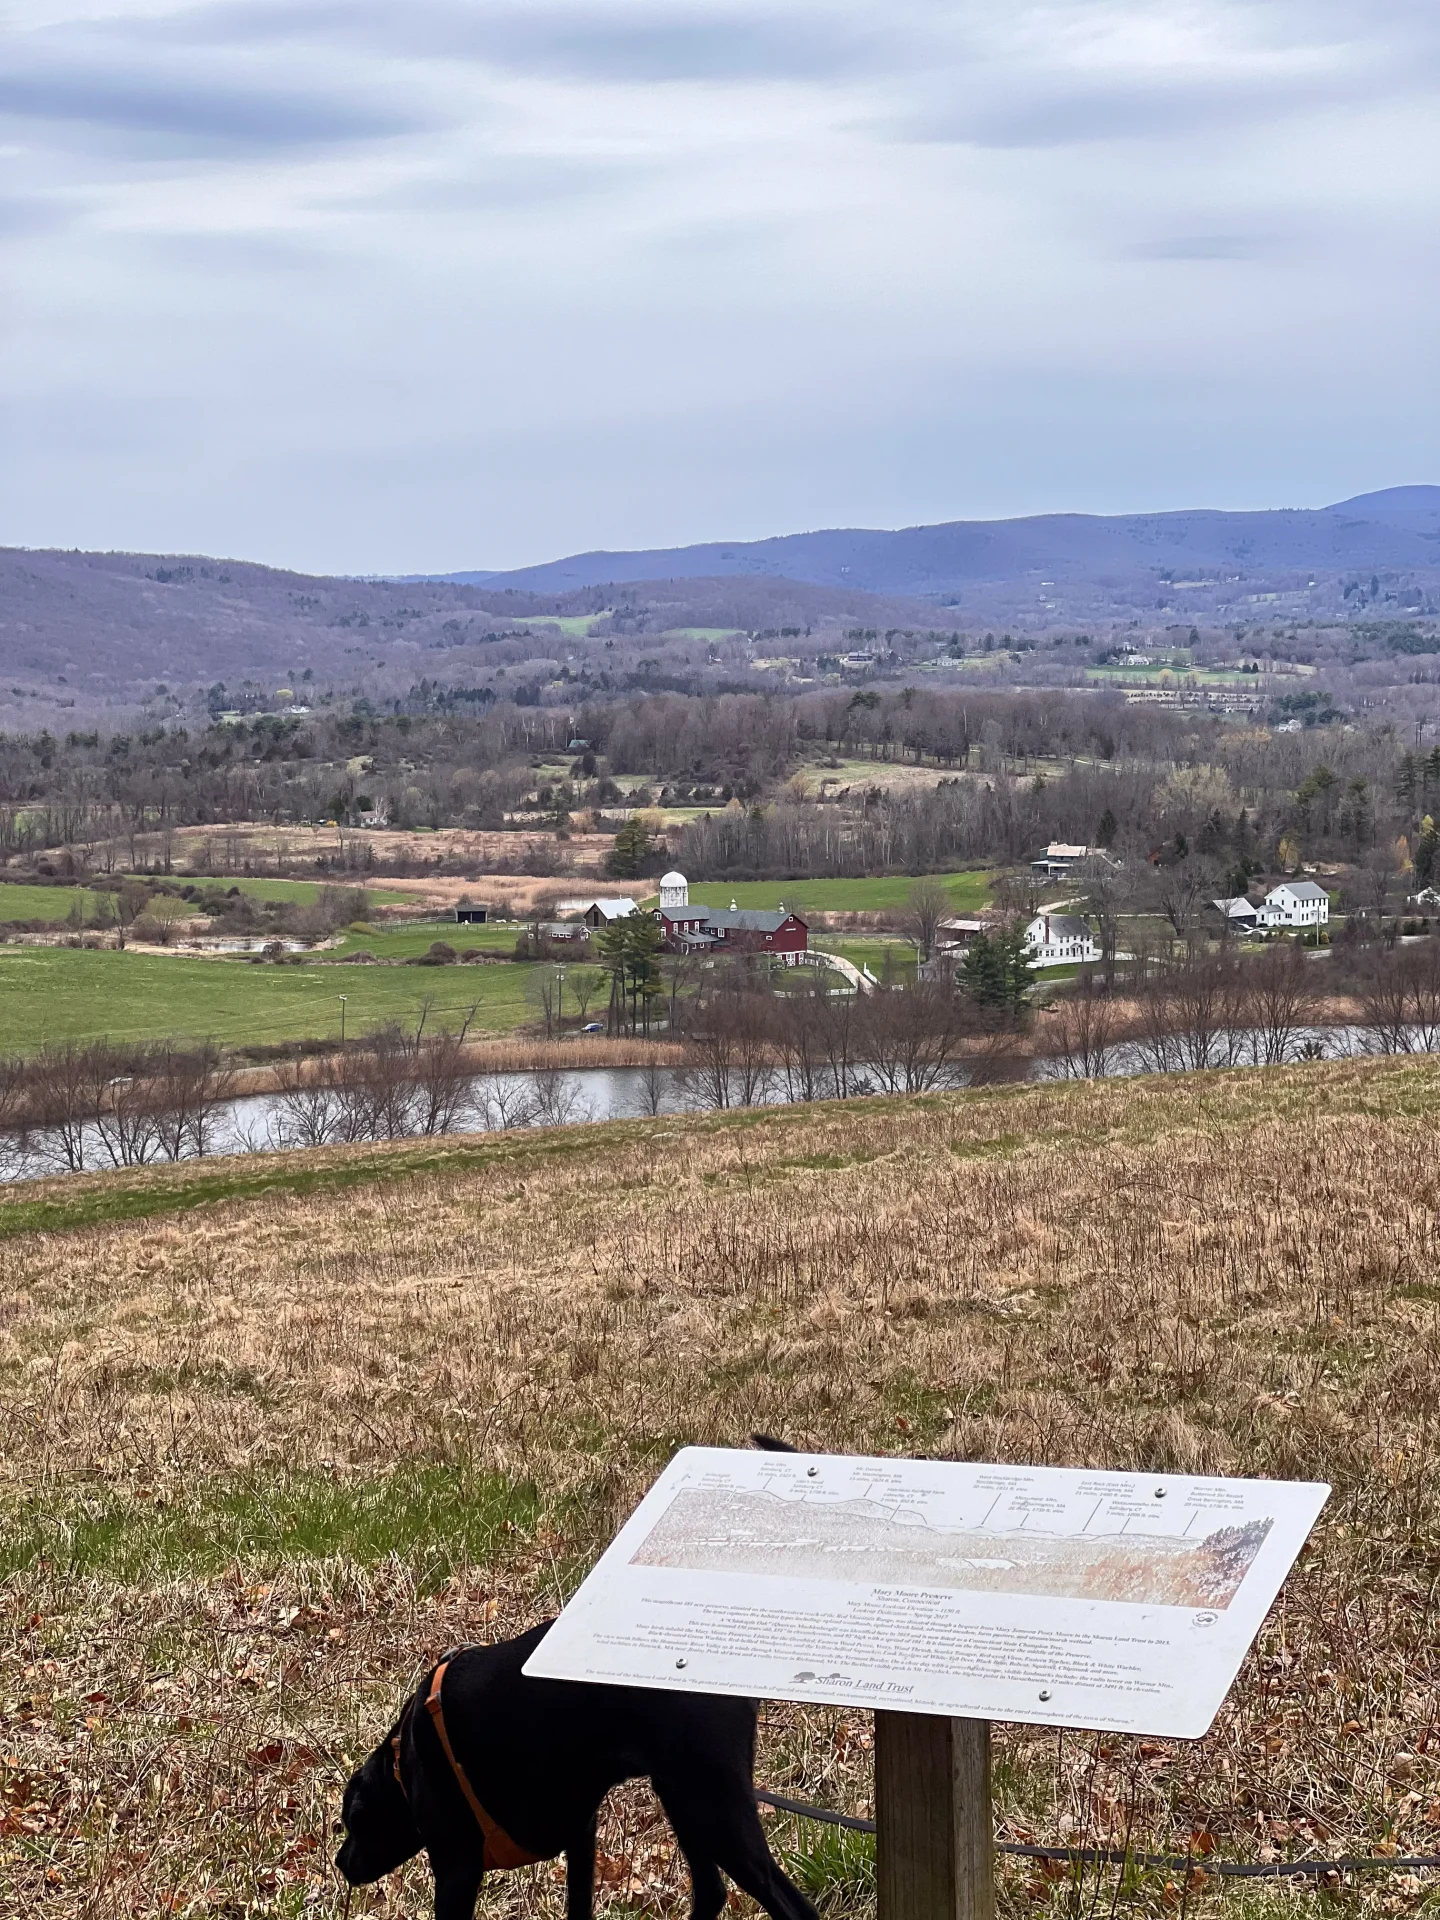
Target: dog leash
501	1852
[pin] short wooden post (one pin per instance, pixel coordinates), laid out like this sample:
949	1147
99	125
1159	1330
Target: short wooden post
935	1835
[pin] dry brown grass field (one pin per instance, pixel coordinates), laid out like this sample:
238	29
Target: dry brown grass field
294	851
275	1432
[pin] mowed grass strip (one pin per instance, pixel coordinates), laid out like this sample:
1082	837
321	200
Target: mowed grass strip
244	1442
58	994
433	1517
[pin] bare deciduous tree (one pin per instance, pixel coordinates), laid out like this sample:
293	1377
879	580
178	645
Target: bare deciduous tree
1081	1029
926	906
1279	1002
556	1097
584	983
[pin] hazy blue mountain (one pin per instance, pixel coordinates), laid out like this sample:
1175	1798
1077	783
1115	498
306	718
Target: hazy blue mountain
1397	527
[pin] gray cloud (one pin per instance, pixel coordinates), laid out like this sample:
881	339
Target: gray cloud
180	112
1014	112
581	43
603	41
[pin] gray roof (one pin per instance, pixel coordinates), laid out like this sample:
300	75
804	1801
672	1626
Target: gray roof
1304	889
746	919
1066	926
1237	907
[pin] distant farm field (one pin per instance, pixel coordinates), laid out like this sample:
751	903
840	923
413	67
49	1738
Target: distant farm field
1175	676
60	993
20	900
303	893
279	1430
968	891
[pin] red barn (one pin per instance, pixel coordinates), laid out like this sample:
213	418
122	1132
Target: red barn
692	929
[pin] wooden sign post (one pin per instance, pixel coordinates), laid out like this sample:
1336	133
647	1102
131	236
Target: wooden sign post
934	1828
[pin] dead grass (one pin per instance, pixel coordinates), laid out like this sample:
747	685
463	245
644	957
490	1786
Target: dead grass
515	1053
247	1444
293	852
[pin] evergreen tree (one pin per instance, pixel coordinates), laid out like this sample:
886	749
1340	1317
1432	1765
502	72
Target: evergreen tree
1106	831
630	953
995	972
631	850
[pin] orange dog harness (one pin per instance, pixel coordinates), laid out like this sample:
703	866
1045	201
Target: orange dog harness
501	1851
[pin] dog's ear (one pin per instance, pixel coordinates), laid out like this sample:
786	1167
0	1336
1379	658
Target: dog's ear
767	1443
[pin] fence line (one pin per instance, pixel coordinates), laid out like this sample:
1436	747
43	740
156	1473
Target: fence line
1123	1857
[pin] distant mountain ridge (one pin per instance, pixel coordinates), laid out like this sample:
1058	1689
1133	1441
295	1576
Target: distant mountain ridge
1396	527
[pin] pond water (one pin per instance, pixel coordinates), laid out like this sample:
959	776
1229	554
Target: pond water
266	1123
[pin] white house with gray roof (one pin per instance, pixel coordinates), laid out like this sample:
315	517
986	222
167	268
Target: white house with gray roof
1295	903
1059	940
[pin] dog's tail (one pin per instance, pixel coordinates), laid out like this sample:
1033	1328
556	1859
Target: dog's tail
767	1443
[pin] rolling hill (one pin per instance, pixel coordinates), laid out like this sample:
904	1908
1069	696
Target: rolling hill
1398	527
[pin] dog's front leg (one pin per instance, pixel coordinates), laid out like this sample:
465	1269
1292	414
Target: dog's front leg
457	1887
580	1876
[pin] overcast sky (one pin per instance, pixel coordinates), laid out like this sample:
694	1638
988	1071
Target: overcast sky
385	285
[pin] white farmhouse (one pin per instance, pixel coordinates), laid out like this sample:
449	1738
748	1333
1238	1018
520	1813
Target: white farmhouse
1059	939
1295	903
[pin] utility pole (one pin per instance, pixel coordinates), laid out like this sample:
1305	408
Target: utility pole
341	997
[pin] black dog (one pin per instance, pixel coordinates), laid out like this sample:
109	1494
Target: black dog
511	1769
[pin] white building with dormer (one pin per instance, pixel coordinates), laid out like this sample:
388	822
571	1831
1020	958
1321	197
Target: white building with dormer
1058	940
1295	903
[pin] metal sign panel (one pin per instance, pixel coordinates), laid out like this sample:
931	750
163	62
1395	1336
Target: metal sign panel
1064	1597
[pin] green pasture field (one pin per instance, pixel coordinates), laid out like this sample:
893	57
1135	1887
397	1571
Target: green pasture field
576	625
968	891
19	900
57	994
871	954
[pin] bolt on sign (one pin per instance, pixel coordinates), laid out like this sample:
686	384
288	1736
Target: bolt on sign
1058	1596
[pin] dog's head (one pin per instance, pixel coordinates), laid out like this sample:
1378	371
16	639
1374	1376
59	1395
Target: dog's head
379	1832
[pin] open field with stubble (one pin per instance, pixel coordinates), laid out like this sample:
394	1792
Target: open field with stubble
277	1431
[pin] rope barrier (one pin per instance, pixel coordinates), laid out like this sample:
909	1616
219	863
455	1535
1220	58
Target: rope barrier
1120	1857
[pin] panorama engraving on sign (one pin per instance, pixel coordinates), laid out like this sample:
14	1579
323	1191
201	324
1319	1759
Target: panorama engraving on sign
1054	1595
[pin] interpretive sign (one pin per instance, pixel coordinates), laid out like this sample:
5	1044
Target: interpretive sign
1064	1597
